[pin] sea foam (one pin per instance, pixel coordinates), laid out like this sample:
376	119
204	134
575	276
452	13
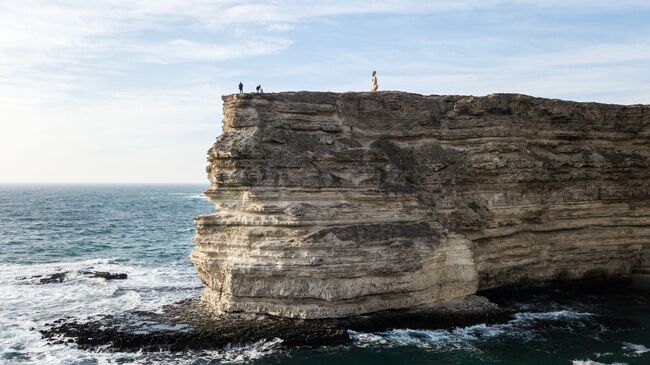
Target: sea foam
520	327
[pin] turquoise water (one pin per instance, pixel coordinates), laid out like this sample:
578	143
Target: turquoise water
145	231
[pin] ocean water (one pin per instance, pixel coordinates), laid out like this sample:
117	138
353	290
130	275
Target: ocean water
145	231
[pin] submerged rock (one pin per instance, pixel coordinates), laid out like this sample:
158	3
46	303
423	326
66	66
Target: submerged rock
106	275
61	276
53	278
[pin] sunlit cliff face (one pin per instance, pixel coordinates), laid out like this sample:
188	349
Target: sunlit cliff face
331	204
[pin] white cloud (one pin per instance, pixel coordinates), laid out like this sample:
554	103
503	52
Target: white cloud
183	50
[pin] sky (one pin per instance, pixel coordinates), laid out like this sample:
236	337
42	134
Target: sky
109	91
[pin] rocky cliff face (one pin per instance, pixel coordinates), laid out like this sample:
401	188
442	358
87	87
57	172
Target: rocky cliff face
337	204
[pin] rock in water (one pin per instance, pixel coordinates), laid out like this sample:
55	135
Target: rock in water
54	278
59	277
332	205
106	275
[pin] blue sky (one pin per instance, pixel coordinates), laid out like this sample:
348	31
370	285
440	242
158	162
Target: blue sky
129	91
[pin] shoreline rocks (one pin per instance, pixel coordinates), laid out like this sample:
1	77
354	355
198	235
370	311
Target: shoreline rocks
192	325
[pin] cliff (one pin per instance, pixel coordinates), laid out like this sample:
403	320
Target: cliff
331	205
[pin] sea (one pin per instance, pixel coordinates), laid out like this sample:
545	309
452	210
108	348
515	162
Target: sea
145	231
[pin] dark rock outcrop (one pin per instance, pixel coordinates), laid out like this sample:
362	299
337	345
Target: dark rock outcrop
59	277
190	325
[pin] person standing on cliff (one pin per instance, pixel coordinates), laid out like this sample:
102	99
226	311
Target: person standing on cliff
373	82
241	88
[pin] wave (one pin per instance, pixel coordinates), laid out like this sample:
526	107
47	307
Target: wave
243	354
637	350
591	362
27	304
37	351
198	196
521	327
236	354
190	195
553	316
146	288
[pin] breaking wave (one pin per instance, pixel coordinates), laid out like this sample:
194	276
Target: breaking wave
464	338
637	350
27	303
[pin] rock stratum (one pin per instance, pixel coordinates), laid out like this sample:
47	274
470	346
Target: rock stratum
332	205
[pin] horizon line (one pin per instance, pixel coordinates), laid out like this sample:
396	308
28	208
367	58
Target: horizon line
97	183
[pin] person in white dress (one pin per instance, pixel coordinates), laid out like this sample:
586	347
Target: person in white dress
373	82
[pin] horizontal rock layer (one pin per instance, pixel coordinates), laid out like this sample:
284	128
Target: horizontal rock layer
331	205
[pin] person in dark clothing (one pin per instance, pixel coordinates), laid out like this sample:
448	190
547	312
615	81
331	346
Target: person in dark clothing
241	88
257	88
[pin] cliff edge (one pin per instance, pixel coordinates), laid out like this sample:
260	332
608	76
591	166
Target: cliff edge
331	205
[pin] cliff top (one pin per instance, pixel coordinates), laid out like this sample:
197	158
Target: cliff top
320	95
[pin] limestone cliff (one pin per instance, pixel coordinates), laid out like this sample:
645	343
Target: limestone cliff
337	204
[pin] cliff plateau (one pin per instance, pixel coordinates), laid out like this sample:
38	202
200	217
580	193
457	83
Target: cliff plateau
332	205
